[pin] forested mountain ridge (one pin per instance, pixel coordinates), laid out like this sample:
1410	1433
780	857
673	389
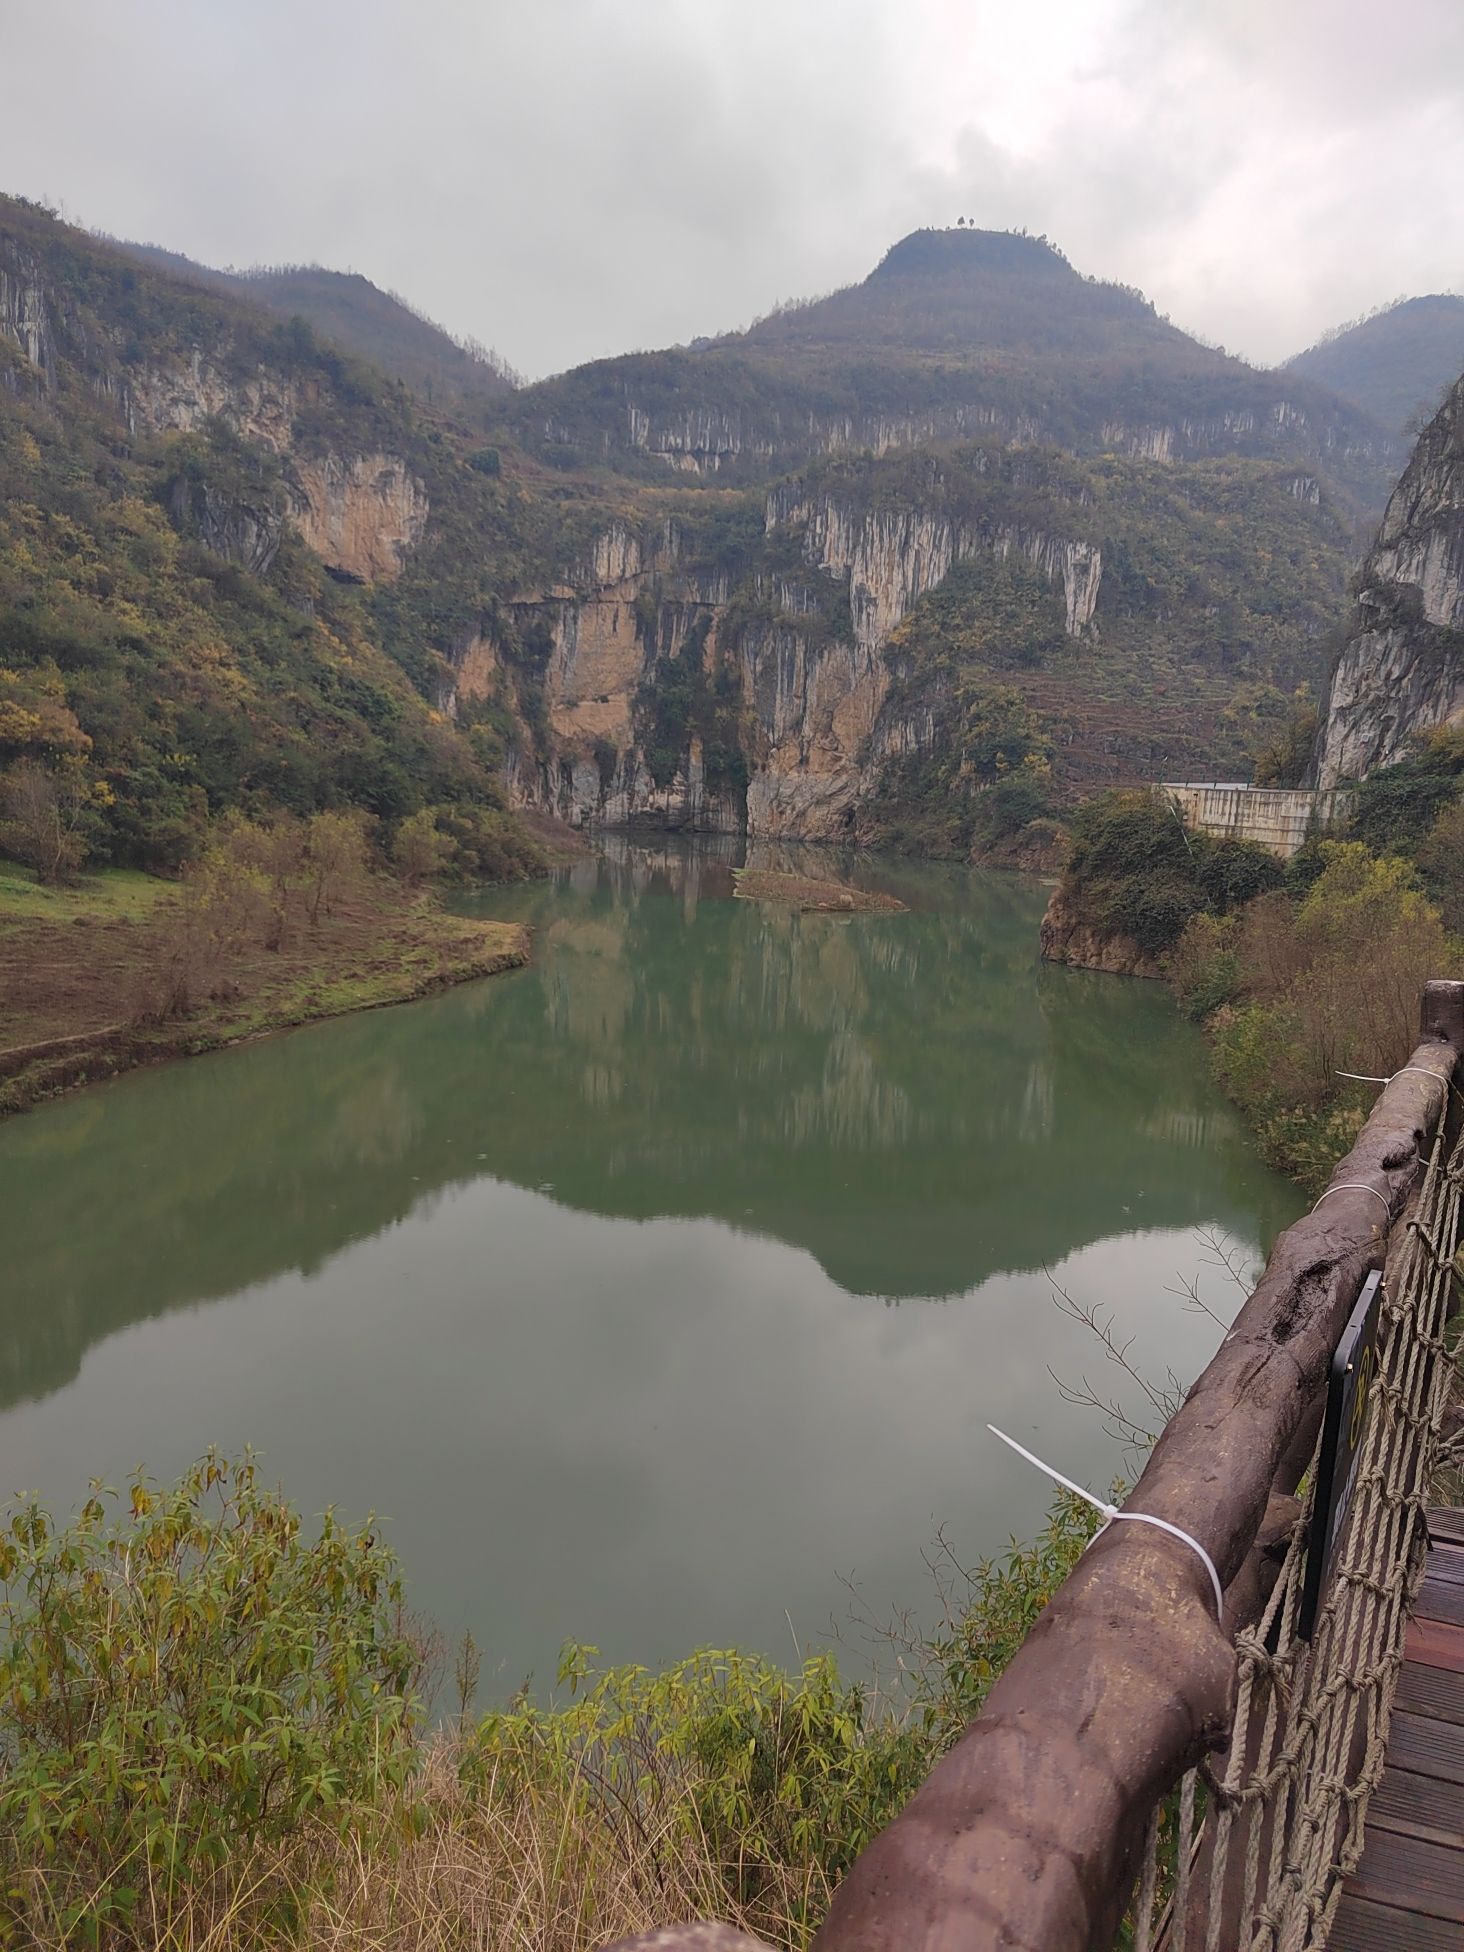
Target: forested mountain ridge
234	563
957	334
239	567
1394	365
363	320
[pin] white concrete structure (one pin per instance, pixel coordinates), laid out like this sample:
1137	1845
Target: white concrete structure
1276	817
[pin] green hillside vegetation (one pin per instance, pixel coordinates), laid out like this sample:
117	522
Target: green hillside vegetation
167	643
360	318
1394	365
966	290
200	1786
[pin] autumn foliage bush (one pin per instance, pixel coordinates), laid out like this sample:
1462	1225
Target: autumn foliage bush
1298	991
254	885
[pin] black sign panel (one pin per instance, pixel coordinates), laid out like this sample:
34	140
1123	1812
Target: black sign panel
1349	1399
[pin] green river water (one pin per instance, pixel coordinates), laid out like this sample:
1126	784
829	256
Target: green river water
659	1294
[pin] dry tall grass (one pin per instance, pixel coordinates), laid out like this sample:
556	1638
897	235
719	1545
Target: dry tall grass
442	1867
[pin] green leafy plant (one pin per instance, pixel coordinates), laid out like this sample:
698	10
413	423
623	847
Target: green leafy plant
1136	870
183	1673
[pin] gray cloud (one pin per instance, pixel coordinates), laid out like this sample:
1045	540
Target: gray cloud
572	178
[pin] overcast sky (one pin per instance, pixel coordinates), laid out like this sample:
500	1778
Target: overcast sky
568	178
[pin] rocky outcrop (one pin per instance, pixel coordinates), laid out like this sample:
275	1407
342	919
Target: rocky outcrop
711	439
816	705
24	315
815	729
183	395
579	791
1070	937
891	557
244	531
472	673
1401	671
362	514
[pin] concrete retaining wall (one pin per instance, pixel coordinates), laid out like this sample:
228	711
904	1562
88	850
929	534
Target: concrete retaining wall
1276	817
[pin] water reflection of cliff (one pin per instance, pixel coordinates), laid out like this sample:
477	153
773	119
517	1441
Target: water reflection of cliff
911	1098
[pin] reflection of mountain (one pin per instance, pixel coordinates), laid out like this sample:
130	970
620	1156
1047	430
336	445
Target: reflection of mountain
911	1098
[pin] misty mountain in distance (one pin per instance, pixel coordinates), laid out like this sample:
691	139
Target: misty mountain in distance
998	315
1394	365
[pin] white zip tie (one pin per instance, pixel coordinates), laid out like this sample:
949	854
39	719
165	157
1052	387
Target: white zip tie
1111	1512
1356	1186
1423	1071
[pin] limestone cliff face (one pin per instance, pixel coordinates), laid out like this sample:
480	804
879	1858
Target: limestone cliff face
1402	669
244	531
24	318
815	728
822	711
181	395
710	439
361	513
576	790
618	613
891	557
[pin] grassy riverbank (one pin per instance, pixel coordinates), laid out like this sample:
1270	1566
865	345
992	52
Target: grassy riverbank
80	969
218	1732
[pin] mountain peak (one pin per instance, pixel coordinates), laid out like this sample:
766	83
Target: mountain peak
938	253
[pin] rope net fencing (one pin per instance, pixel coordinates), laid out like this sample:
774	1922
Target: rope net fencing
1251	1852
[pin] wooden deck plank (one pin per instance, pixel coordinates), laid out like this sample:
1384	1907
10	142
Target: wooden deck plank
1446	1562
1428	1747
1439	1599
1362	1926
1424	1878
1418	1806
1428	1689
1434	1643
1408	1892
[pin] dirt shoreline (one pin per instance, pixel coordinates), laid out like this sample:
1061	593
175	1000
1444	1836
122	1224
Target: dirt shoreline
400	956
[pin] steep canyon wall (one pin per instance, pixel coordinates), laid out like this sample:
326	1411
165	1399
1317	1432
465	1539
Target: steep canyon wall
805	653
1401	671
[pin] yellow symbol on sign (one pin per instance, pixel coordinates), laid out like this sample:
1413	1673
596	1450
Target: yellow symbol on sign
1359	1400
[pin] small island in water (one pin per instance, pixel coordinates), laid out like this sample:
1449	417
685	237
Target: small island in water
803	892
